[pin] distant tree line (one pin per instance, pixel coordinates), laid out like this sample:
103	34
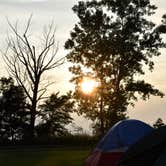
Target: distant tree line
158	123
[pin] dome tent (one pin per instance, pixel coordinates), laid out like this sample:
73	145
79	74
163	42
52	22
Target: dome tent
117	140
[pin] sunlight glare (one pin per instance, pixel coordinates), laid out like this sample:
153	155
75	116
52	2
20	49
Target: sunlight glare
88	85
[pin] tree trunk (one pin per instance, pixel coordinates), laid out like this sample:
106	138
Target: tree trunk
32	121
101	117
33	109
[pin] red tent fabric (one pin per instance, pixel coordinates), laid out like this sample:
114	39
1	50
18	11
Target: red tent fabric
112	157
103	158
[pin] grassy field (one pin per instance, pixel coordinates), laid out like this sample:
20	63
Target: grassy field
43	157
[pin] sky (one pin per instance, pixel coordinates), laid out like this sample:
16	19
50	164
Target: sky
59	11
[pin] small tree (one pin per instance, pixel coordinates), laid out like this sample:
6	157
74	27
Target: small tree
55	115
13	111
27	63
159	123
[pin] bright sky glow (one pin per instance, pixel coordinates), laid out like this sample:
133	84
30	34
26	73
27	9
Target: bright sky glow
45	11
30	0
88	85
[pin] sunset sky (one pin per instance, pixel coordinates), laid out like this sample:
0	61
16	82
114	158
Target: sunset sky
44	11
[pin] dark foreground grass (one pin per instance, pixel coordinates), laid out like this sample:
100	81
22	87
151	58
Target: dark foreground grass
43	157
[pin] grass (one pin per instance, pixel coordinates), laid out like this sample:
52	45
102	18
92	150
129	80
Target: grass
43	157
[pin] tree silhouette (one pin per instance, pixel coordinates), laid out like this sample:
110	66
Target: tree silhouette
111	42
55	115
162	28
13	111
27	63
159	123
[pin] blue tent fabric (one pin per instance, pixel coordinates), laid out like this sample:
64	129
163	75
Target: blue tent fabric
123	134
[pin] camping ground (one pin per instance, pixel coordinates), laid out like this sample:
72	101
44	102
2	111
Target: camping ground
44	157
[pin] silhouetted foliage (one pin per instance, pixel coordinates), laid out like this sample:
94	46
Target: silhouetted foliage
55	115
162	28
27	63
13	111
159	123
111	42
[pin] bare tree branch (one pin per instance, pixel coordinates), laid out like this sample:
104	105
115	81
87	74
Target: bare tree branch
27	64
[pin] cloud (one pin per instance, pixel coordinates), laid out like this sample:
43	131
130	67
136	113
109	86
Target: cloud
21	1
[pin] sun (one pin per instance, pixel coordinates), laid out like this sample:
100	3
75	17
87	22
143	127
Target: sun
88	85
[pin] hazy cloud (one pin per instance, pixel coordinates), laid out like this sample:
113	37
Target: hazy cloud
21	1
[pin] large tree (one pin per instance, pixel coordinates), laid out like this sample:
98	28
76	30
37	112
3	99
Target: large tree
113	40
13	111
28	61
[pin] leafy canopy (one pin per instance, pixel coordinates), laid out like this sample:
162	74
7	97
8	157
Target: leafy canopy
113	40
